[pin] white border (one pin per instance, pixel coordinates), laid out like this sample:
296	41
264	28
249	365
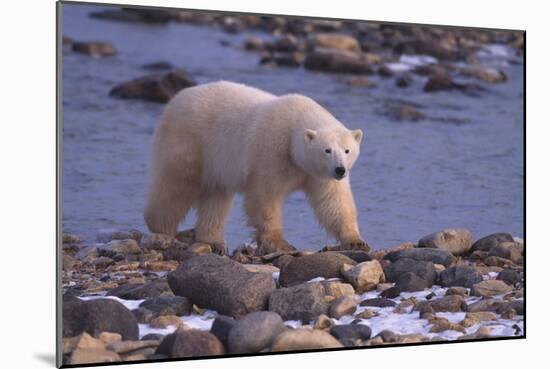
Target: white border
28	181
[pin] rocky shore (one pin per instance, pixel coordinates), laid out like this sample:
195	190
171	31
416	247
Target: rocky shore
132	296
364	54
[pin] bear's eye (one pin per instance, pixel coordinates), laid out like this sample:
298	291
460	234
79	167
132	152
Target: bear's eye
347	151
328	151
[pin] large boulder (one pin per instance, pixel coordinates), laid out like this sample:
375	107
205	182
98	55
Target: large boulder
96	316
255	332
304	268
219	283
456	241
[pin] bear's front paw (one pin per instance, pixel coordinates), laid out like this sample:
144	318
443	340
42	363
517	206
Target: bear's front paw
355	244
219	248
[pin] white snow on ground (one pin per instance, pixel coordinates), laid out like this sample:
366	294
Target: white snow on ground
405	323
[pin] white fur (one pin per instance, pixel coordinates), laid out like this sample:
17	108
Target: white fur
223	138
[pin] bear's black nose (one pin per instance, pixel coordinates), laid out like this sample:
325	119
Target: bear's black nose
340	172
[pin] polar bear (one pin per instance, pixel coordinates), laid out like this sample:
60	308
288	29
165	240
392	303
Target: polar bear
223	138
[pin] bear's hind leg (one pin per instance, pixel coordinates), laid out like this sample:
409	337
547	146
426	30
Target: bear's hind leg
212	212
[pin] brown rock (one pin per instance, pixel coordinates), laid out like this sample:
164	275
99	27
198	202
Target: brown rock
492	287
164	321
342	306
456	241
87	356
322	322
305	268
334	41
304	339
335	61
364	276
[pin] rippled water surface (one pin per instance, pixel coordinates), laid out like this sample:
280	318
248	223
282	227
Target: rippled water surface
461	167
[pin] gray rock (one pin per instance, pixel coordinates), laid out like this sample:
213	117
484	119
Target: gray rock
342	306
255	332
304	339
219	283
168	305
221	327
488	242
423	269
303	302
305	268
435	256
510	276
411	282
96	316
140	291
517	305
460	276
485	305
456	241
351	334
378	302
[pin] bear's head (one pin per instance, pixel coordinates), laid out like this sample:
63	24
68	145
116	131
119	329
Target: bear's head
329	153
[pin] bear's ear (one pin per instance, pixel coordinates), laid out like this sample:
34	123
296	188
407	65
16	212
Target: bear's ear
357	134
309	135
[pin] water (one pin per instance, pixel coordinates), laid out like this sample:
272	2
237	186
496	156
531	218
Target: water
461	167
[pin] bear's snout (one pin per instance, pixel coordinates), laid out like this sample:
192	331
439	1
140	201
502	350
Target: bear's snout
339	172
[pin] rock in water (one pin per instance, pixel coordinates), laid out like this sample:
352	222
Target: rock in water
219	283
303	302
98	315
190	343
488	242
97	49
456	241
255	332
334	41
436	256
460	276
337	61
304	339
490	288
302	269
364	276
154	87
